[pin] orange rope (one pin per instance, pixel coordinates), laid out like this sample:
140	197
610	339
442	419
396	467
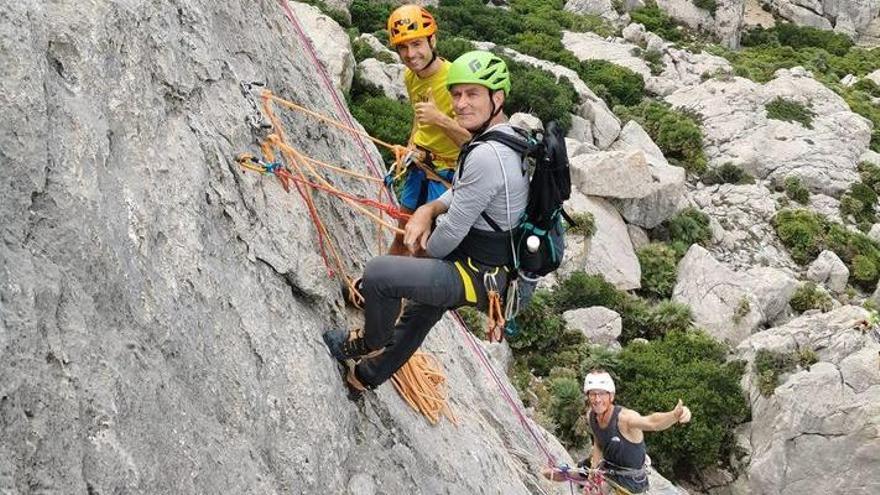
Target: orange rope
421	383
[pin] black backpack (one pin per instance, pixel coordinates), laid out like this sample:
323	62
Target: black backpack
549	187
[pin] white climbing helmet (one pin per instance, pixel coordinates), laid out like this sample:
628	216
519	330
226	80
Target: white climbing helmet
599	380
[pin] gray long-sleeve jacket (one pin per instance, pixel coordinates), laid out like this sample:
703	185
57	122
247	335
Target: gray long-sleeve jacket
482	188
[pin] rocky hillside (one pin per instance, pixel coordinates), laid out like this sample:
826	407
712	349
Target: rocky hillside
162	310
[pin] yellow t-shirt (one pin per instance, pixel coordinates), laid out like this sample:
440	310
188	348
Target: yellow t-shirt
431	137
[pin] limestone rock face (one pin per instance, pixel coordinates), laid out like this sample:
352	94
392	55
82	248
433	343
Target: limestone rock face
829	270
162	310
854	18
736	129
330	42
725	23
744	236
721	299
609	252
598	324
387	77
601	8
830	408
612	174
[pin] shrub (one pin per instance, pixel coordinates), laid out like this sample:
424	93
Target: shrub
796	190
769	365
790	111
658	262
362	50
580	290
728	173
369	16
600	357
676	133
796	36
383	118
566	408
801	231
657	21
809	296
641	320
584	224
453	47
541	326
709	5
691	366
474	320
864	270
539	93
687	227
615	84
870	175
859	204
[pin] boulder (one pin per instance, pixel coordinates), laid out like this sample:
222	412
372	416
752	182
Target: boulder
666	192
854	18
331	44
598	324
608	252
722	300
378	46
601	8
526	121
829	270
638	236
612	174
387	77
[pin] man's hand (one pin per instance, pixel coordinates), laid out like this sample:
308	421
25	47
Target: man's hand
681	412
427	113
418	229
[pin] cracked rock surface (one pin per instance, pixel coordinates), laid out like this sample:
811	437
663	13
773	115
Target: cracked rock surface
822	418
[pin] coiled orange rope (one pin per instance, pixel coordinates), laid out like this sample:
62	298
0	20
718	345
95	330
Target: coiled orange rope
421	383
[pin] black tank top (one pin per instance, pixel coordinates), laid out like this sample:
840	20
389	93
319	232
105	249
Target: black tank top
616	449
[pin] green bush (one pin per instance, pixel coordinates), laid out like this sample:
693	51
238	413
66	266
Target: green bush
369	16
809	296
337	15
709	5
615	84
584	224
769	365
805	36
728	173
383	118
537	92
870	175
642	320
580	290
864	270
676	133
453	47
658	262
802	232
790	111
859	204
691	366
657	21
566	409
687	227
474	320
541	326
795	190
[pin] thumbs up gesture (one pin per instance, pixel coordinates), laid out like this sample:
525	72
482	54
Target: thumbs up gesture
681	412
427	113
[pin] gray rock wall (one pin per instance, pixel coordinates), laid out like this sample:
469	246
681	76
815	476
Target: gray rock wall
160	311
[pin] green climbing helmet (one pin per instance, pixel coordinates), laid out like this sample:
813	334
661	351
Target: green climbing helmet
480	67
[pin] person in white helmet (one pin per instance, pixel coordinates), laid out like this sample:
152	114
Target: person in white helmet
619	434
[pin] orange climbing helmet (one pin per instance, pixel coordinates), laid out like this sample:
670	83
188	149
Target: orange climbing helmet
408	22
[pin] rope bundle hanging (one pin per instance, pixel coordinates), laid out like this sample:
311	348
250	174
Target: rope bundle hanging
420	382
